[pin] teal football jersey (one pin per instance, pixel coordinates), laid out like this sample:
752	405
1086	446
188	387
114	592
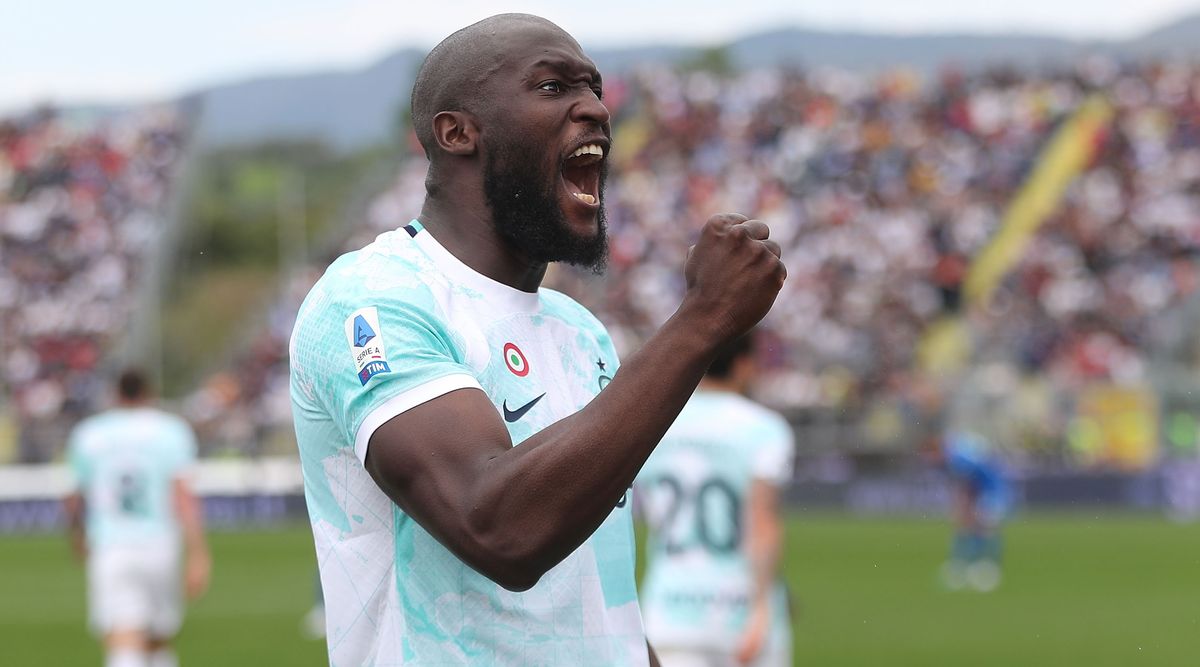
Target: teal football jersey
693	491
125	462
387	328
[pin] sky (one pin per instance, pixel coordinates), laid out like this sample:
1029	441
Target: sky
78	51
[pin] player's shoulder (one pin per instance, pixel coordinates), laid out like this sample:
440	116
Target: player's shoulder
760	417
967	447
389	270
767	414
90	423
85	431
391	261
149	418
748	408
168	419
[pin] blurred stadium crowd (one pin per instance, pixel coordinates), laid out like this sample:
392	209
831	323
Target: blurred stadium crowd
80	205
881	189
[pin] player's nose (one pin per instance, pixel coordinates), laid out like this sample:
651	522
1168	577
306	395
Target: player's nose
589	109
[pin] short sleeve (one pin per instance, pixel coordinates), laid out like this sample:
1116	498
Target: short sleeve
774	457
371	357
184	449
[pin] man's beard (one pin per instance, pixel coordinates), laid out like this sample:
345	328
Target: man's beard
527	214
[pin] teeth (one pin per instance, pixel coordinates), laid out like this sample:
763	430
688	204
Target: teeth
590	149
585	198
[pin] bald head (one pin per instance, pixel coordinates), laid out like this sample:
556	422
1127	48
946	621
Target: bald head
454	75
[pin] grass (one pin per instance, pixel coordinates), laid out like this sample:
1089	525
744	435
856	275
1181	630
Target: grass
1078	590
262	586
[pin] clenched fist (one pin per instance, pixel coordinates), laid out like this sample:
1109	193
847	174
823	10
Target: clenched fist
733	275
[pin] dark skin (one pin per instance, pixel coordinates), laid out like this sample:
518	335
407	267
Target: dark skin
556	102
513	513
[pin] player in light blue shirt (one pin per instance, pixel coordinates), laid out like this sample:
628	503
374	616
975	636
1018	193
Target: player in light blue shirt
712	595
130	465
467	439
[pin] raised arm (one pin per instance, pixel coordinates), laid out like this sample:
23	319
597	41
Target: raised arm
513	513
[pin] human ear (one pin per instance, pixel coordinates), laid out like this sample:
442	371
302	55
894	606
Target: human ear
456	132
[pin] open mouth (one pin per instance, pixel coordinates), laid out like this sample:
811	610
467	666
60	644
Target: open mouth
581	173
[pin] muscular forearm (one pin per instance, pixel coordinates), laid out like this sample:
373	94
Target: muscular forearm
512	513
554	490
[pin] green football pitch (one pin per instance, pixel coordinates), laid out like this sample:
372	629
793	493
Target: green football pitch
1078	590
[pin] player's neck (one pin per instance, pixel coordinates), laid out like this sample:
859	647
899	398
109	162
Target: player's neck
469	234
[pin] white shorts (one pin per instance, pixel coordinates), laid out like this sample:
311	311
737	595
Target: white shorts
771	656
135	588
776	653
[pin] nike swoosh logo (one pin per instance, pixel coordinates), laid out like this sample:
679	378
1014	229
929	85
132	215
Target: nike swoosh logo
513	415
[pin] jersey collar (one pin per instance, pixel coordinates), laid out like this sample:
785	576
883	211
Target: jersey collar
511	298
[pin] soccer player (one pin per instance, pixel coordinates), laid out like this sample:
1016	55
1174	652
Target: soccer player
130	464
982	500
712	596
465	474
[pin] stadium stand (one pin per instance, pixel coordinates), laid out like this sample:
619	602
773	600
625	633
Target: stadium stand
883	190
80	209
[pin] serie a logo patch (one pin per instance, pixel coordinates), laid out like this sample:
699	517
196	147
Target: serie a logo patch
366	344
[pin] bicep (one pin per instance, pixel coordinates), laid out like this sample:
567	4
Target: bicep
429	460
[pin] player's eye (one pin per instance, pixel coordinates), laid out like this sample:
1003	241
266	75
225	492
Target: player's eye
551	86
599	92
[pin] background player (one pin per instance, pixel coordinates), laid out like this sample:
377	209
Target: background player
712	595
982	500
130	464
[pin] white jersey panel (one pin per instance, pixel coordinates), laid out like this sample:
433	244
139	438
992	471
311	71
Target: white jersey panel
387	328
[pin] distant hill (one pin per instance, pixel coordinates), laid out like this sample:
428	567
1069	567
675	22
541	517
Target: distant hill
1181	39
347	109
863	51
355	108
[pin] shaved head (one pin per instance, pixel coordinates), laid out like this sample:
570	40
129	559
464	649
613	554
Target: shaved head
454	75
509	113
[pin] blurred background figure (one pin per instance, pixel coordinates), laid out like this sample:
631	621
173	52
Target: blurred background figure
712	595
135	522
982	499
312	625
